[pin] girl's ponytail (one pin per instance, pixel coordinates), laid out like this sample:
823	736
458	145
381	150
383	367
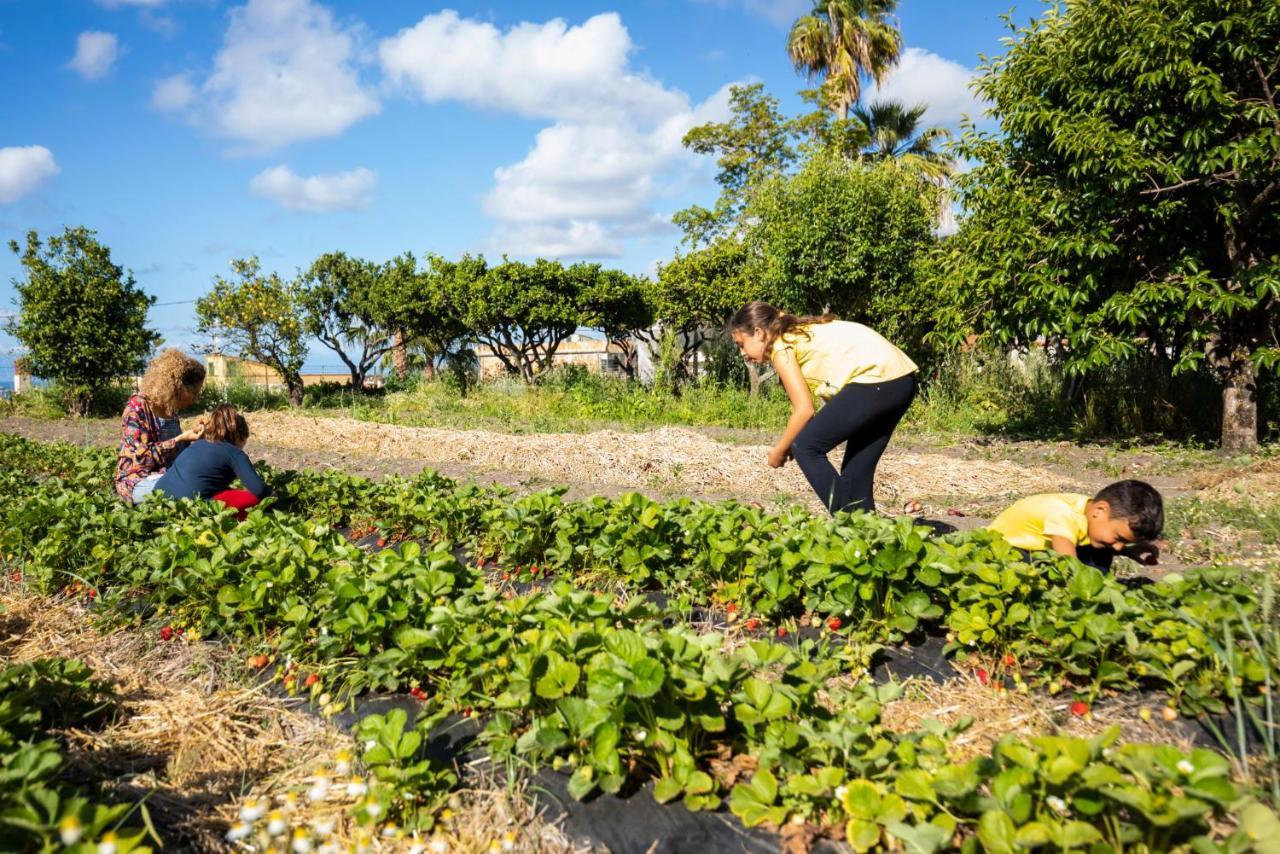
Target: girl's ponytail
774	321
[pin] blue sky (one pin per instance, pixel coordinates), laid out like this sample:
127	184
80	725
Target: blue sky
189	132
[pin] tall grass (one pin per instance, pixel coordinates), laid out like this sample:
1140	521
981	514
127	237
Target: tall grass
1026	395
573	399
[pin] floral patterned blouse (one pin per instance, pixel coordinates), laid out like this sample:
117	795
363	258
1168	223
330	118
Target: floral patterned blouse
148	445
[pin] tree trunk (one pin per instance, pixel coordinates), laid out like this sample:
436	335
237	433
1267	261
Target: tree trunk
753	379
293	382
78	402
1240	407
400	355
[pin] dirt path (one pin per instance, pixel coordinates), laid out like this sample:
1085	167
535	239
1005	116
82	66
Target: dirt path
666	462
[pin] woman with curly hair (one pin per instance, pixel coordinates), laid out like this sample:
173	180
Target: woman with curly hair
150	435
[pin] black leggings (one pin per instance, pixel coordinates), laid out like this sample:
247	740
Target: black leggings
864	415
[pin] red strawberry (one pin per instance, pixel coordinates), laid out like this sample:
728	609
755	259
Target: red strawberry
731	607
534	569
1010	661
257	662
166	634
17	577
782	631
93	594
1079	708
753	624
983	676
506	576
311	680
418	694
834	624
381	542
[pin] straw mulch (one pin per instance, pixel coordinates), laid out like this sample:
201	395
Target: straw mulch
997	713
674	457
198	747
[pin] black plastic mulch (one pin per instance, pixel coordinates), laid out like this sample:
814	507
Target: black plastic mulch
634	822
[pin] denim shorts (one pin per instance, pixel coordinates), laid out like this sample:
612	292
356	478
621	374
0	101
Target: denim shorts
144	487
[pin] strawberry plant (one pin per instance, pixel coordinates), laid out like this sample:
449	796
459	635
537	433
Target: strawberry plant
38	811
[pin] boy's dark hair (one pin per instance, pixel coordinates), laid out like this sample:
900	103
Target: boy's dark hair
1137	503
226	424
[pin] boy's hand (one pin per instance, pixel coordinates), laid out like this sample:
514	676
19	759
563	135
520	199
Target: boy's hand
1147	554
777	458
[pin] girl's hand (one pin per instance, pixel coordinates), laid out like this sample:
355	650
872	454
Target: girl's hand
778	457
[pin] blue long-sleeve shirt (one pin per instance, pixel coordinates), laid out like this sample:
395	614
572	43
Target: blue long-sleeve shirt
206	468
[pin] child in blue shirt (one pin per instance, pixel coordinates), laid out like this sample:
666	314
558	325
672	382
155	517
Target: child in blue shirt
208	467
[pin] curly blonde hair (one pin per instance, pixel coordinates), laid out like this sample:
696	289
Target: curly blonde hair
168	375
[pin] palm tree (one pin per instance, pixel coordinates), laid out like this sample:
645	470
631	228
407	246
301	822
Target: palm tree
894	132
842	40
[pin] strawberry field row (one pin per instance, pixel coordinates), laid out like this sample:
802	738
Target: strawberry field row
567	676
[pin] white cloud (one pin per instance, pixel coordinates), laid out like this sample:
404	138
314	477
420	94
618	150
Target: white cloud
285	73
317	194
173	93
614	146
921	77
23	169
569	239
549	71
95	54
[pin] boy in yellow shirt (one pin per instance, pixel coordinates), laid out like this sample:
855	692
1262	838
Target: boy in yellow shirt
1124	518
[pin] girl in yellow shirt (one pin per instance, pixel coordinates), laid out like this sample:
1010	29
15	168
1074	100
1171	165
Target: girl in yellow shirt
866	384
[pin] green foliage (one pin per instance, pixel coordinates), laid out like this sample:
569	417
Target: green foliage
344	305
1131	199
568	399
842	41
419	310
752	146
894	133
81	317
622	691
521	312
697	292
38	809
619	305
843	237
261	317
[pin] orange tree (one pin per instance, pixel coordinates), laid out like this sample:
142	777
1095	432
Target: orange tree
344	307
260	316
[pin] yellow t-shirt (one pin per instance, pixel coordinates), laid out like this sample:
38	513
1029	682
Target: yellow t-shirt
1033	522
841	352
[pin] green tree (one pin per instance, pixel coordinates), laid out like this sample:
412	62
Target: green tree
420	311
1131	199
521	312
842	41
619	305
81	317
752	146
344	308
696	293
894	133
261	317
844	237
